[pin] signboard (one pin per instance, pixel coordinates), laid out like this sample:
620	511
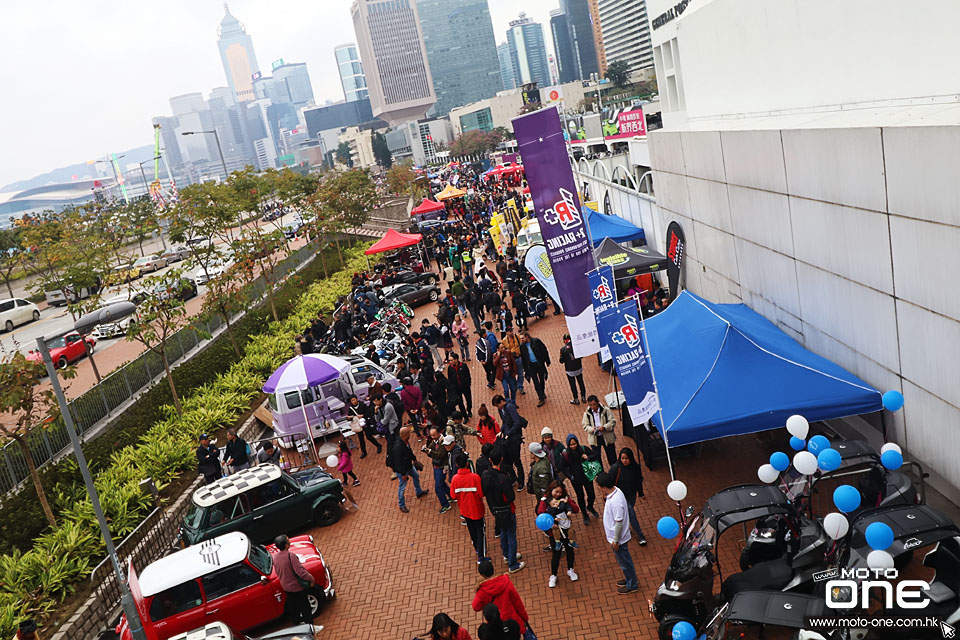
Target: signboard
554	193
276	64
530	93
625	124
551	95
256	76
604	295
676	245
623	329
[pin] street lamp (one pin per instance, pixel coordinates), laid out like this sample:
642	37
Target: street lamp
146	187
85	324
219	148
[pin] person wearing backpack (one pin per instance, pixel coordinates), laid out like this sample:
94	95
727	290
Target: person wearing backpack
485	357
511	429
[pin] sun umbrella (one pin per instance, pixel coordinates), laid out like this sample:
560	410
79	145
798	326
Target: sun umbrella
300	373
337	363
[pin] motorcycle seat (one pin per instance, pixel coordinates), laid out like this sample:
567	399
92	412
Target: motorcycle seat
774	574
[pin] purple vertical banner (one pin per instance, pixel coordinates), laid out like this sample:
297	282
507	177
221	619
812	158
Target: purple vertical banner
604	298
623	328
541	144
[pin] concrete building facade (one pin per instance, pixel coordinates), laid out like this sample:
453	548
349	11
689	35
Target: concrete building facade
626	33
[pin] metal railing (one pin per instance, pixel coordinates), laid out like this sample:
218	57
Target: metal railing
100	402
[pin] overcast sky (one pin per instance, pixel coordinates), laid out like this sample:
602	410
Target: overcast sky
82	79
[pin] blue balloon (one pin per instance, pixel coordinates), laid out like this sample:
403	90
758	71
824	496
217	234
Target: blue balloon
893	401
668	527
797	444
846	498
816	444
879	536
683	630
544	522
892	459
829	459
780	461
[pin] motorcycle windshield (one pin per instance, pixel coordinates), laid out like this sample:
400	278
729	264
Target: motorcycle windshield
700	537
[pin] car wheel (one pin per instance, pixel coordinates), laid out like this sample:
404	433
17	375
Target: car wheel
431	281
326	513
62	362
36	316
313	599
8	326
434	295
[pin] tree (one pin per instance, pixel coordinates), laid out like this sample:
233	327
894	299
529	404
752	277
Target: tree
261	248
401	179
162	315
618	72
28	404
11	255
141	218
381	151
476	141
344	155
346	199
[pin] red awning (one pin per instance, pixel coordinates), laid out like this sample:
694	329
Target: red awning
393	239
427	206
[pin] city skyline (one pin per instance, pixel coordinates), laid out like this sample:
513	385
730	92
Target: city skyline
90	78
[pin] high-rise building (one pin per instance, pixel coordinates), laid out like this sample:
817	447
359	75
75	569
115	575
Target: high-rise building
236	53
187	103
223	93
562	47
461	50
598	35
351	72
528	51
168	138
507	73
267	87
394	58
626	33
295	79
580	27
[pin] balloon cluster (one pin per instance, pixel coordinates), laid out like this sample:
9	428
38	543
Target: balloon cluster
879	537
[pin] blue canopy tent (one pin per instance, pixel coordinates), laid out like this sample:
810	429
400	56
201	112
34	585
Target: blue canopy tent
616	228
724	370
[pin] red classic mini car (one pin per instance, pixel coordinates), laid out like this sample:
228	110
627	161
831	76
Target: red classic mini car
64	349
226	579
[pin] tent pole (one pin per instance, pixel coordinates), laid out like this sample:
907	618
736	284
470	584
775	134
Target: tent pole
306	420
666	440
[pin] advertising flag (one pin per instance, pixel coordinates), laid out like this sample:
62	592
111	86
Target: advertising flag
604	298
676	244
623	329
537	264
541	144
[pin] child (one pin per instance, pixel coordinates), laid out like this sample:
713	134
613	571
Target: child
558	504
346	464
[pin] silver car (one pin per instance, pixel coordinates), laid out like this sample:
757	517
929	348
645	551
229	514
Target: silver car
175	254
150	264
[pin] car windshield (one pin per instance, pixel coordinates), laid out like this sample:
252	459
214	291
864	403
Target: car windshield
194	516
56	343
260	558
143	261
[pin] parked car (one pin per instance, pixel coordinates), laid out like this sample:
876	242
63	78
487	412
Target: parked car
123	275
227	577
149	264
118	328
17	311
220	631
176	254
213	270
412	277
183	288
291	229
64	349
55	297
262	502
412	294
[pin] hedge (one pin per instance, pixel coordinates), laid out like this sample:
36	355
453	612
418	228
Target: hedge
32	583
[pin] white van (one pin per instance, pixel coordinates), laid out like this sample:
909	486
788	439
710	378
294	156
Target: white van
528	236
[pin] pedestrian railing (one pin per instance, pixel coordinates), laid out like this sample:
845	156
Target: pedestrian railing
92	408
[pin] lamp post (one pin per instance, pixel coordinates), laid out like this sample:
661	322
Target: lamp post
146	192
219	148
84	325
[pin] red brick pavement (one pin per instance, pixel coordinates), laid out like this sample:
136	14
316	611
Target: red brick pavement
394	571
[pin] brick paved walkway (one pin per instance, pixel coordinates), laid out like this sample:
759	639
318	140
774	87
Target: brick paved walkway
394	571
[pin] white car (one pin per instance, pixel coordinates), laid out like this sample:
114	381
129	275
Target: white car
118	328
17	311
213	270
150	264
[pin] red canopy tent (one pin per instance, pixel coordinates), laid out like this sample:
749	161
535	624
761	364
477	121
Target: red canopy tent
393	239
427	206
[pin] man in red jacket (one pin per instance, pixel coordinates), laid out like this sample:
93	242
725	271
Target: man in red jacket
466	491
501	592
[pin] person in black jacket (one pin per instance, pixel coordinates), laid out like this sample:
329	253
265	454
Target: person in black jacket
574	369
511	429
571	465
362	410
629	478
208	460
497	486
536	359
236	454
404	464
442	396
458	375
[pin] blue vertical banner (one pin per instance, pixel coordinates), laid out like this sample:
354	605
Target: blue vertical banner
604	297
547	165
622	327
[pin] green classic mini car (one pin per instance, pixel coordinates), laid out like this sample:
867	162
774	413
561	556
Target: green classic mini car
262	502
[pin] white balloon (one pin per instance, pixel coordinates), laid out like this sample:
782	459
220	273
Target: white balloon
805	462
890	447
767	473
332	461
835	525
878	559
677	490
798	426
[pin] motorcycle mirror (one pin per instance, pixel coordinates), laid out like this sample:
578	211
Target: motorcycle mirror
688	512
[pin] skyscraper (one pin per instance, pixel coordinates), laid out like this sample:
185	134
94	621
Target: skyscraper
236	53
294	78
626	32
394	58
598	35
528	52
507	73
187	103
562	47
461	50
581	36
351	72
